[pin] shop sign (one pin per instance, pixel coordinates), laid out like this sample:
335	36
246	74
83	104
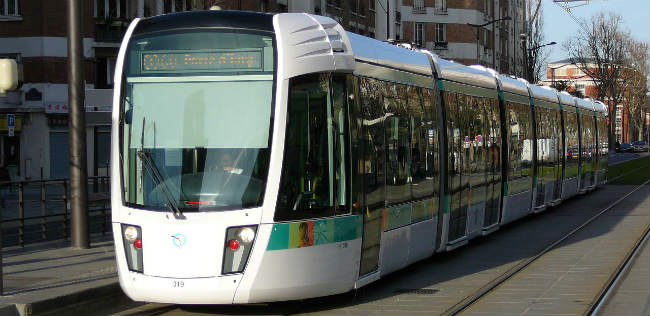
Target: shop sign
52	108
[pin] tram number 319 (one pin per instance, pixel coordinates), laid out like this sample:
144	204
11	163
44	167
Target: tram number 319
178	284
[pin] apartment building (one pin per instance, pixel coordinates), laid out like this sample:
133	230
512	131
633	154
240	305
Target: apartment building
33	32
442	27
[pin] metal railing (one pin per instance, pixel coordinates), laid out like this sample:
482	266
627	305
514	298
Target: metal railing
52	223
37	210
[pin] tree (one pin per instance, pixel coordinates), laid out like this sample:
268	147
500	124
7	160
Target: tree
637	88
599	50
535	48
561	85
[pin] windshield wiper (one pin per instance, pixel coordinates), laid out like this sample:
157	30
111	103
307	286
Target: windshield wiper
154	172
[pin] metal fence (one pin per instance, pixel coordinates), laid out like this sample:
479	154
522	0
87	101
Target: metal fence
38	210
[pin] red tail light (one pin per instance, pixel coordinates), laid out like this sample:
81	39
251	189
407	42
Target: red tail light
233	244
137	243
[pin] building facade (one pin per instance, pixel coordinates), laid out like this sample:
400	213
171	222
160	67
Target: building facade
33	32
442	27
577	82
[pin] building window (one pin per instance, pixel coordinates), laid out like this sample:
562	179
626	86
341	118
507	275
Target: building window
9	7
110	8
441	32
418	7
440	6
419	34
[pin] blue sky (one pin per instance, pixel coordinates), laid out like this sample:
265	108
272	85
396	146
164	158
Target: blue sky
559	26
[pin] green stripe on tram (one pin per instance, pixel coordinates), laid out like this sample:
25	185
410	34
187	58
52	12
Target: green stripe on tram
316	232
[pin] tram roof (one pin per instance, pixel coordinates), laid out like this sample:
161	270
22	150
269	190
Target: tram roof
543	93
468	75
600	107
586	104
513	85
385	54
204	19
567	99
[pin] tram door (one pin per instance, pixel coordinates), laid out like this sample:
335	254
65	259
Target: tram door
371	160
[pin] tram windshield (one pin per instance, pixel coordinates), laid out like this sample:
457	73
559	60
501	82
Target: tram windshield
196	120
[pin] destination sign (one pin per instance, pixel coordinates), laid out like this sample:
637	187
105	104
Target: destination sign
221	61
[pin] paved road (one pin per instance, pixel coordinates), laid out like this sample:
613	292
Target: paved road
432	286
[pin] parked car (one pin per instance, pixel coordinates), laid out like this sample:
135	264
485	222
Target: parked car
639	146
625	148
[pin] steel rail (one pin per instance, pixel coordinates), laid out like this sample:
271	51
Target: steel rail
618	275
487	288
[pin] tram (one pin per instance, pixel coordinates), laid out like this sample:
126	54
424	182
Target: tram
260	158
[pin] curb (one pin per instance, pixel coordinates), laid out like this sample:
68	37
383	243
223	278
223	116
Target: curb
84	302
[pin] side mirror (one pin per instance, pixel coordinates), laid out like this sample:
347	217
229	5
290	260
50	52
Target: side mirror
128	117
8	75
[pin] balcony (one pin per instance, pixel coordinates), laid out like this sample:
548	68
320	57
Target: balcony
440	11
419	10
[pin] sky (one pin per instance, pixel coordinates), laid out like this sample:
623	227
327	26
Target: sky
559	26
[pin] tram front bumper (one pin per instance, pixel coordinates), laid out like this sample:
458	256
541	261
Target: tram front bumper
211	290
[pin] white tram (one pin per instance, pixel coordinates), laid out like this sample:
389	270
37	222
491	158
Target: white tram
263	157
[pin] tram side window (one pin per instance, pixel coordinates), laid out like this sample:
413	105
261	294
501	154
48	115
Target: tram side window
398	131
422	144
315	175
603	138
433	144
571	143
372	137
520	147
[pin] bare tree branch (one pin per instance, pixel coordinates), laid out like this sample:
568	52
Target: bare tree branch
600	51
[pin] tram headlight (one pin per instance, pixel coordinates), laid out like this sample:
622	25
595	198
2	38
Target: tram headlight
131	233
237	248
246	235
132	240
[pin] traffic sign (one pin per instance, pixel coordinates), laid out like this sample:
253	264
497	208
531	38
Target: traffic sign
11	124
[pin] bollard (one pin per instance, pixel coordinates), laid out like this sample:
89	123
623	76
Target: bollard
43	209
65	210
21	215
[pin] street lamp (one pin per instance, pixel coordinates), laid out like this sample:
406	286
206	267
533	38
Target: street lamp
478	33
540	46
529	59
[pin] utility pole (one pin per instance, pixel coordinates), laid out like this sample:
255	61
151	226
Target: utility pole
387	19
77	130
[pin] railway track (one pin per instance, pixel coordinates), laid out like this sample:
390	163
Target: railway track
618	276
604	293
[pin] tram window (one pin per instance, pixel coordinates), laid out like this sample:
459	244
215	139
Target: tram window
571	142
372	138
421	158
520	146
398	135
315	179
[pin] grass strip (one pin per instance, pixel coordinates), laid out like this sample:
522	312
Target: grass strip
635	171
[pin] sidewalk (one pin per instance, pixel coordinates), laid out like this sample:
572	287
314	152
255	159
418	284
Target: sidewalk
39	279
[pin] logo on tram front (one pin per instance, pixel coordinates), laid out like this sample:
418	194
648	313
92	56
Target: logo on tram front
178	240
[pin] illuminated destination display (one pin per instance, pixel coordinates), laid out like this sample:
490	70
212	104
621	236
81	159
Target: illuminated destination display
221	61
